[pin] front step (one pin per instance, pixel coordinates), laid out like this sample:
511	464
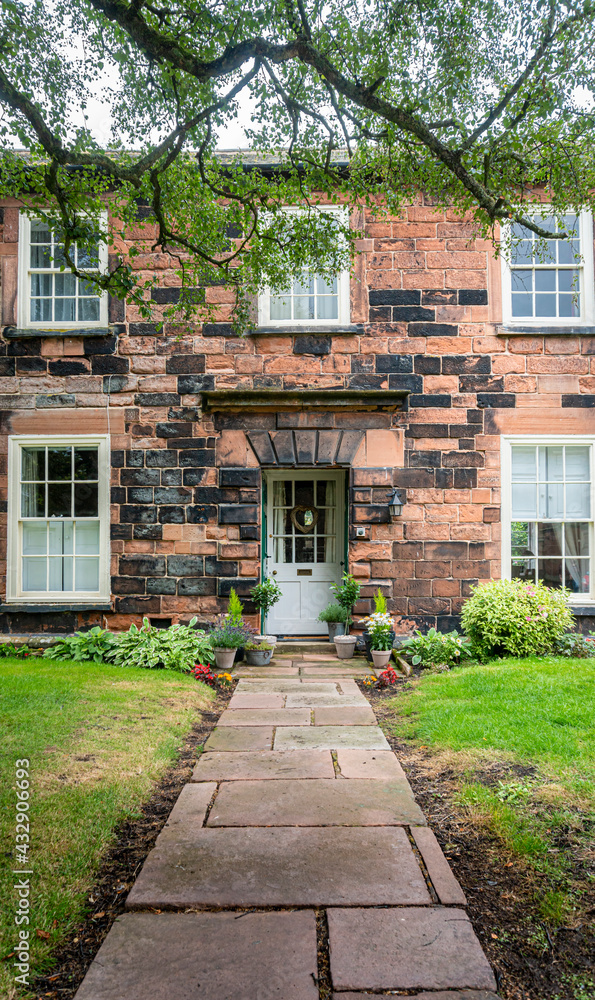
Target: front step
288	647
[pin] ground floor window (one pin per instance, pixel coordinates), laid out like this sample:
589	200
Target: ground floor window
547	507
59	519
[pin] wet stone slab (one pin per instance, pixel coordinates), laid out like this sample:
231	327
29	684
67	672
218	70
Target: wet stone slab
406	948
280	867
330	738
270	764
344	715
369	764
314	803
265	717
240	738
206	956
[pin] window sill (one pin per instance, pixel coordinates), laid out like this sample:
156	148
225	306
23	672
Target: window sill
295	329
507	330
582	609
24	333
32	608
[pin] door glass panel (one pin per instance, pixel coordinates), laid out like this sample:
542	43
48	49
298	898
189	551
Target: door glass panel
325	551
325	492
304	550
282	550
304	493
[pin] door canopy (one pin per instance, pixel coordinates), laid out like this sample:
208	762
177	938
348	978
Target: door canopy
308	447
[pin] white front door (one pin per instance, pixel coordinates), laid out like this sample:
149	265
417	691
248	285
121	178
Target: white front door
304	546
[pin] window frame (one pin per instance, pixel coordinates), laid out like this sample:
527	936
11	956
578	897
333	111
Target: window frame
506	445
587	317
343	292
14	591
24	298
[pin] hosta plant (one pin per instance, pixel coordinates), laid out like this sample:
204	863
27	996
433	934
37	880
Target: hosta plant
515	618
96	646
178	647
435	648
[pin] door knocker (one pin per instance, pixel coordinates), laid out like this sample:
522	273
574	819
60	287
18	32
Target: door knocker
304	518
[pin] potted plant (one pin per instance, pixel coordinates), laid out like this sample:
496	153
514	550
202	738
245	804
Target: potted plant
379	627
265	595
335	617
346	593
258	654
379	609
226	638
235	609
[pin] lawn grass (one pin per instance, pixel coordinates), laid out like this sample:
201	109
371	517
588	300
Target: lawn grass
537	717
97	738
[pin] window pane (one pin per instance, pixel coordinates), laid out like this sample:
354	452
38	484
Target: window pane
85	463
551	501
522	253
280	307
551	464
41	310
524	501
577	539
59	500
545	305
60	535
304	285
88	257
59	463
86	500
522	305
65	310
325	492
65	284
522	281
545	281
568	281
569	306
303	307
325	550
34	574
87	538
89	310
304	493
41	256
281	522
522	538
523	569
549	571
550	539
41	285
577	575
34	538
578	500
32	463
60	573
87	574
282	550
304	549
524	465
32	500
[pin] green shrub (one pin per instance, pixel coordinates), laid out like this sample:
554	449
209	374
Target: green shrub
435	648
235	608
95	646
574	644
265	595
512	617
346	593
333	613
178	647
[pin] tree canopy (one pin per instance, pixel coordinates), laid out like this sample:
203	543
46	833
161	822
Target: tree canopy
479	103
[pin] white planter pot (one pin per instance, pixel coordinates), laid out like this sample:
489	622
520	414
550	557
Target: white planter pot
224	658
345	646
381	658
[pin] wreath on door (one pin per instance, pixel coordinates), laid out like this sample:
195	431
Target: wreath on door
304	518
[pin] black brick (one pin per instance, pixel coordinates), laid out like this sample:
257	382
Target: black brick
463	364
172	515
55	399
169	296
239	477
185	364
464	430
218	330
413	314
197	457
152	532
438	297
195	383
394	297
163	585
197	587
188	413
415	479
211	494
138	605
161	459
114	383
436	399
242	586
380	314
99	345
140	494
142	565
473	297
139	477
135	459
423	459
171	430
142	329
249	533
444	478
238	514
496	399
201	514
185	565
478	383
220	567
268	382
414	383
117	459
426	364
194	477
171	494
433	330
156	399
427	431
465	479
397	363
312	345
121	531
475	417
171	477
138	515
24	366
455	460
128	585
21	348
584	400
117	494
366	381
110	365
361	363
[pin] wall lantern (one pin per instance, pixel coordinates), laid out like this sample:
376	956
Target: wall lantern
396	502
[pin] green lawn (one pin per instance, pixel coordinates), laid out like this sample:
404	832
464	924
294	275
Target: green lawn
97	738
538	713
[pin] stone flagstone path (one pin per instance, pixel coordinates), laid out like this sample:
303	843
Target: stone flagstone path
297	837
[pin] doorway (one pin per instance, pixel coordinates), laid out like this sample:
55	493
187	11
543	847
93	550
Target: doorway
304	550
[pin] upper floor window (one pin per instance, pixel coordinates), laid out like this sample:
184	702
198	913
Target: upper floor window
48	296
59	519
309	300
550	283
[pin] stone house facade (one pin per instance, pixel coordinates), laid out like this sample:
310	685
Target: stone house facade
145	472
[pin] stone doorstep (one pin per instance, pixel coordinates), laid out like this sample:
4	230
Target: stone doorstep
314	802
330	738
432	948
265	717
193	867
264	764
206	956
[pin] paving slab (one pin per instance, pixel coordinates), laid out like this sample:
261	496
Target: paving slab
441	995
206	956
344	715
265	717
257	699
280	867
330	738
369	764
334	672
447	888
270	764
283	685
316	802
229	738
406	948
304	697
266	672
189	809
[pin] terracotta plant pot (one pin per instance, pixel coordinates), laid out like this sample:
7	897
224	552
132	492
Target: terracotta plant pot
381	658
224	658
258	657
345	646
335	629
